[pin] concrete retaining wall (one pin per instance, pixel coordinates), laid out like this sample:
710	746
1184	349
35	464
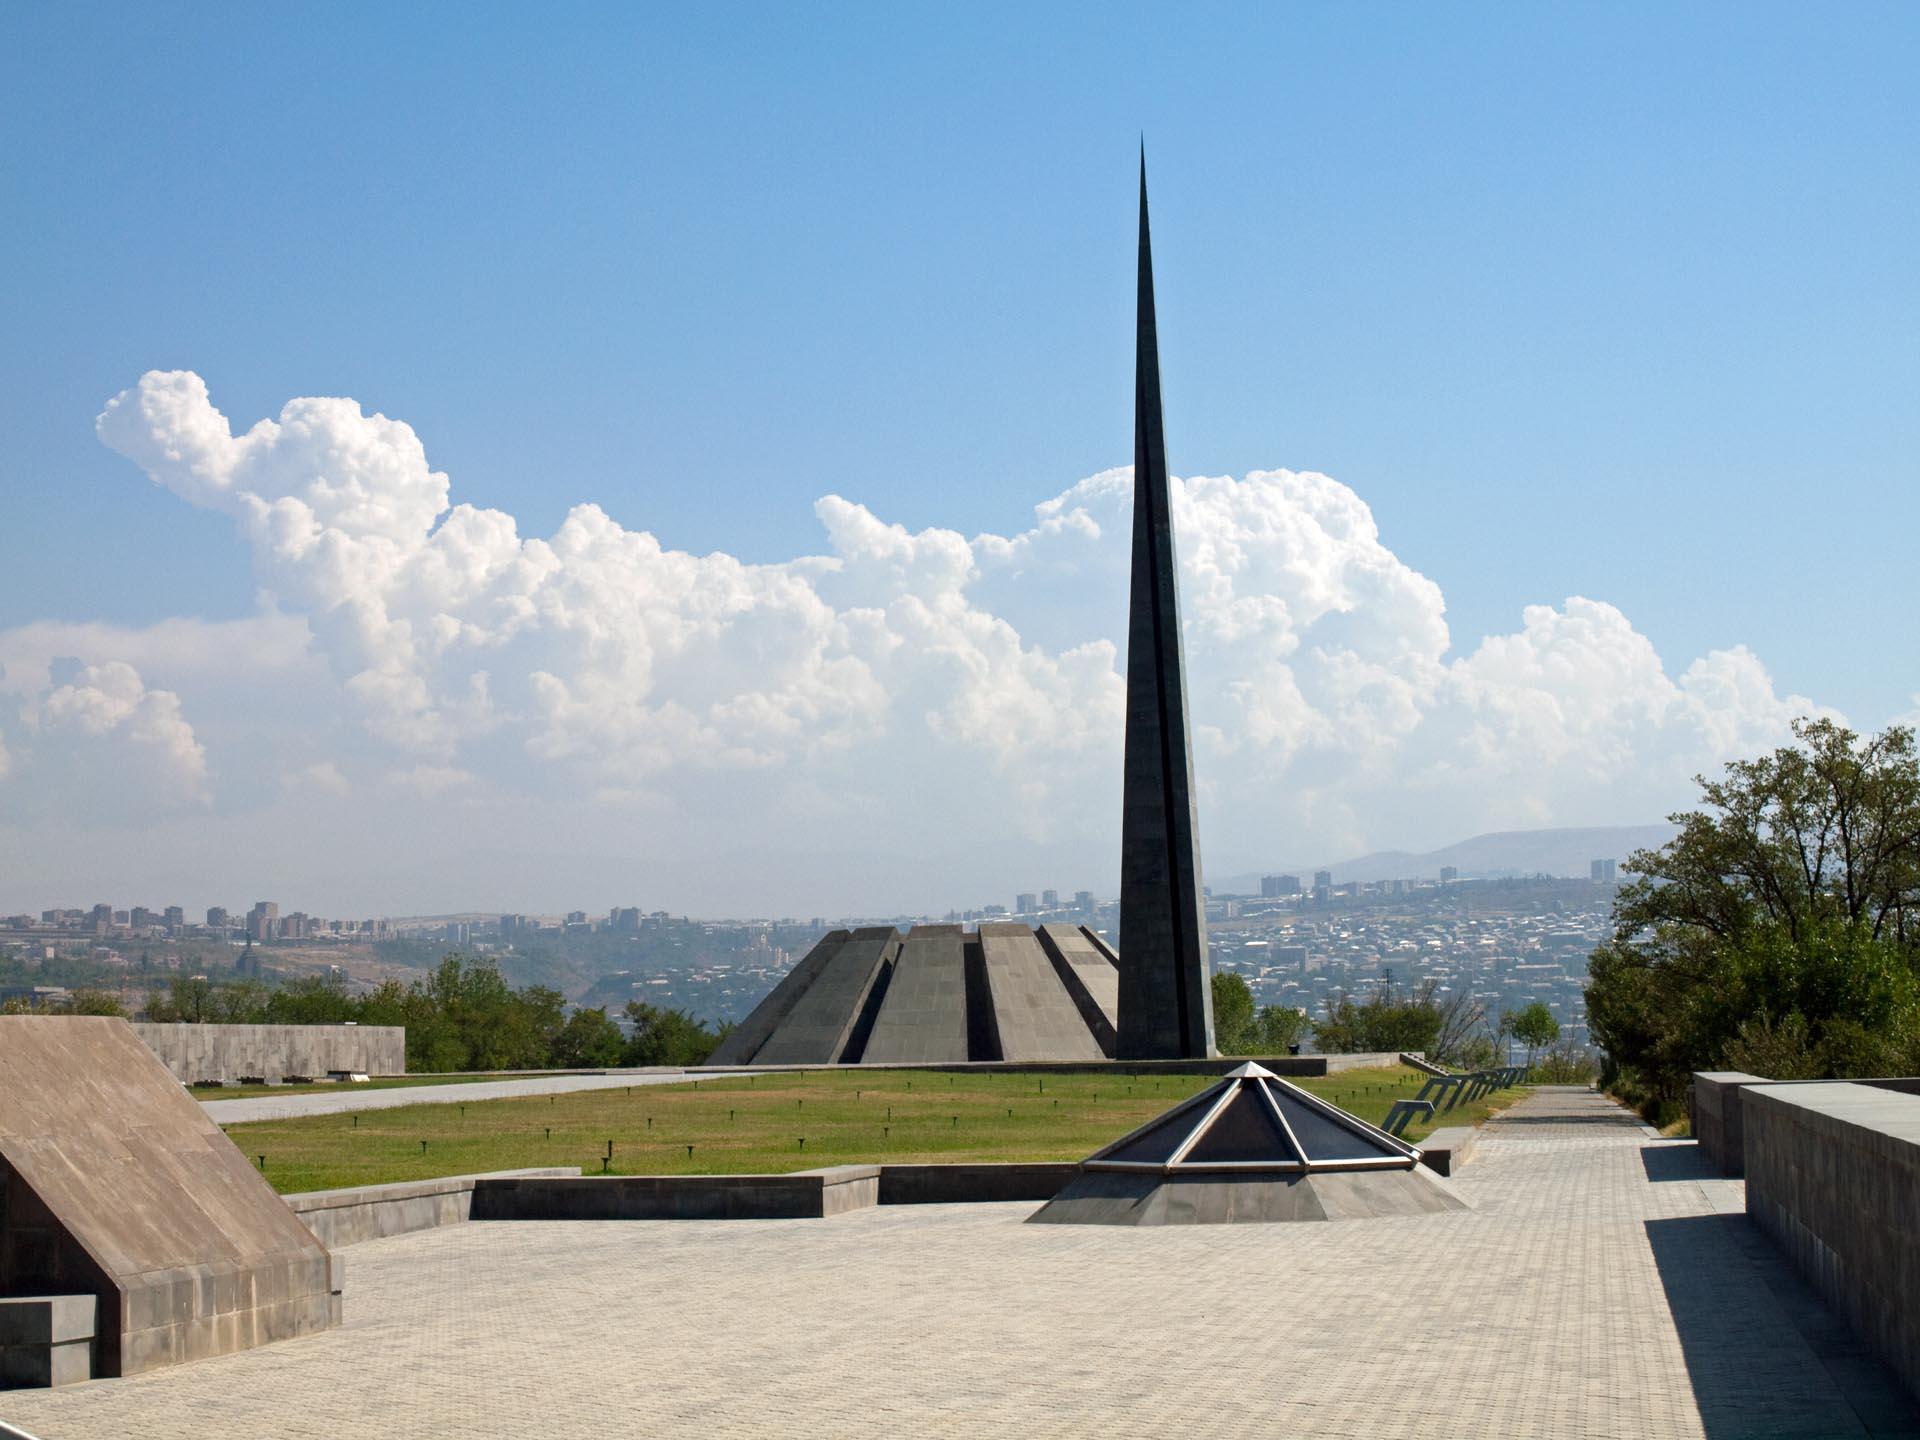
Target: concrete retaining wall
806	1195
973	1184
368	1212
199	1054
1715	1100
1446	1150
1833	1172
1716	1116
346	1217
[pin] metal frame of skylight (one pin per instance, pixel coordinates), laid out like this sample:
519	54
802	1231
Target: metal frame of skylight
1404	1156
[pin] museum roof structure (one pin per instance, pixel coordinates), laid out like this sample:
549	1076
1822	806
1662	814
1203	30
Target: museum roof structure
1252	1148
1254	1121
937	994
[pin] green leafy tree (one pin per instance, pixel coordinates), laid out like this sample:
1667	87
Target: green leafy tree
96	1002
589	1040
1277	1029
1533	1026
1775	927
1233	1014
1388	1018
312	1000
667	1037
186	1000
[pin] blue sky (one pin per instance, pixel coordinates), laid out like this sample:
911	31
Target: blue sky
1605	301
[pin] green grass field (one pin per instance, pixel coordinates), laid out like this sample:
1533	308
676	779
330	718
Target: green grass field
756	1125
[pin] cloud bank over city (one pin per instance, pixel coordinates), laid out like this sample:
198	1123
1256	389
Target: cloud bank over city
429	702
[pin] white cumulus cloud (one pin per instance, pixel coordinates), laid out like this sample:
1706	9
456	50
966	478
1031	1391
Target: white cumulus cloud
110	702
896	672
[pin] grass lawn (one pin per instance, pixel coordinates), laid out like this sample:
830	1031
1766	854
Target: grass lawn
756	1125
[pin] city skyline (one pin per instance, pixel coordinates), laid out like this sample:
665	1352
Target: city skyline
704	598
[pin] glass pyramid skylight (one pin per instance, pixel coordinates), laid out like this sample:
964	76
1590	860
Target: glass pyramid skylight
1253	1120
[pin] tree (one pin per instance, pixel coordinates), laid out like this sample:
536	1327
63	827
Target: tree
667	1037
589	1040
1533	1026
1233	1014
96	1002
1463	1037
1388	1019
311	1000
1278	1028
1774	927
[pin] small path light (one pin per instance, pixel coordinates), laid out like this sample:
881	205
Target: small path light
423	1147
356	1122
603	1165
263	1161
649	1122
689	1152
549	1132
803	1142
956	1122
886	1131
463	1112
1009	1112
729	1114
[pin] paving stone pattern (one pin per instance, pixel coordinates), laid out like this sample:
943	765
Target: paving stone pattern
1604	1284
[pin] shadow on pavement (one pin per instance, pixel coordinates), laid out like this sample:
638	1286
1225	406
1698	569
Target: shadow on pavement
1619	1119
1677	1160
1745	1318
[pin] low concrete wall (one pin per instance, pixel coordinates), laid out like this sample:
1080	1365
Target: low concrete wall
1832	1171
1715	1099
1716	1116
973	1184
805	1195
226	1053
1447	1149
368	1212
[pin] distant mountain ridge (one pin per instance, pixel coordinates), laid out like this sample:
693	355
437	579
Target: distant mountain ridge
1503	852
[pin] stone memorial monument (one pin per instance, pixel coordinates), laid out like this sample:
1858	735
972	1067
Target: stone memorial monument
115	1186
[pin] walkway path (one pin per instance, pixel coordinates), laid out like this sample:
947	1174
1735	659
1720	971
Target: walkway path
349	1097
1595	1289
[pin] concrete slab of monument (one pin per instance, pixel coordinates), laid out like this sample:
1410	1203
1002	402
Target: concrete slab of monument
114	1184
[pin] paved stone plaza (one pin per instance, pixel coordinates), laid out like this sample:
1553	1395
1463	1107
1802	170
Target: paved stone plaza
1598	1287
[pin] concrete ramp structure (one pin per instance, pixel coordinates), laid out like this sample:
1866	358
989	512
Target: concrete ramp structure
1251	1148
115	1185
938	995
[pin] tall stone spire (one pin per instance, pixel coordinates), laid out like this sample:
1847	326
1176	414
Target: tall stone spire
1166	1000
